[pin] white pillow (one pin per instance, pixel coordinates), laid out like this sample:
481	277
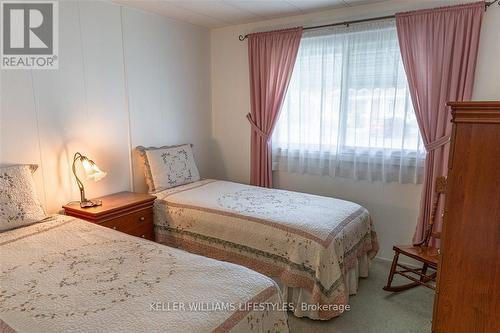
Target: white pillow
19	204
167	167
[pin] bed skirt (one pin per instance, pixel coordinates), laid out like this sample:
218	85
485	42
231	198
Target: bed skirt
301	303
296	297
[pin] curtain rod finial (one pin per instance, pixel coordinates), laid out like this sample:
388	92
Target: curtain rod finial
487	4
242	38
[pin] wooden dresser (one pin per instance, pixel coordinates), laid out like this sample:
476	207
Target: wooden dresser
468	282
128	212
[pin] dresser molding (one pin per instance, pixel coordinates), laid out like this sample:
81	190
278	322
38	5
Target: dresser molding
475	112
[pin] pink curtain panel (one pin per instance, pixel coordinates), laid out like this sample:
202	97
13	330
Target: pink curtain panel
439	50
271	57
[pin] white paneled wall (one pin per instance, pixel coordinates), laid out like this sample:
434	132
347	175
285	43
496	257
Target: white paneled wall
125	78
170	86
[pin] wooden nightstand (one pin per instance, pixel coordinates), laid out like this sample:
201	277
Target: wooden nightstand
128	212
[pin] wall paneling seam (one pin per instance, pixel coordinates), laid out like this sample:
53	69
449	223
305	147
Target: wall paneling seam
84	68
37	122
127	105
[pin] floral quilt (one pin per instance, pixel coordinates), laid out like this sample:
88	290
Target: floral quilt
67	275
306	241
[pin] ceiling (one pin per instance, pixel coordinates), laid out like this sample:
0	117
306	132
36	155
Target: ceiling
221	13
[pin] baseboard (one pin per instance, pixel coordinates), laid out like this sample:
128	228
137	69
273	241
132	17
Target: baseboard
412	263
383	259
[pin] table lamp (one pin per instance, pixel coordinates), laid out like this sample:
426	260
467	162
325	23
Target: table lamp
92	171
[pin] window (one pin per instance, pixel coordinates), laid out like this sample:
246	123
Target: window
348	111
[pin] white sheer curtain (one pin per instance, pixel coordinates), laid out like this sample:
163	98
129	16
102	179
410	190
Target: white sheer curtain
348	111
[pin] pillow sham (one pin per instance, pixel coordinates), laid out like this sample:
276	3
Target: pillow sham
168	166
19	203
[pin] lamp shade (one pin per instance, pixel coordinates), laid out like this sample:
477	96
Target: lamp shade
92	171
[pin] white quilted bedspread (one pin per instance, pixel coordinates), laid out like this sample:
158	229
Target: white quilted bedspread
67	275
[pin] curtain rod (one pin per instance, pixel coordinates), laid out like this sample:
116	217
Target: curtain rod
347	23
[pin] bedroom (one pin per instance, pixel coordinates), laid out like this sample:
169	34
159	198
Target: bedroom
168	73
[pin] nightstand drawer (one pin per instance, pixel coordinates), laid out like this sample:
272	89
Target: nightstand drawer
131	221
144	231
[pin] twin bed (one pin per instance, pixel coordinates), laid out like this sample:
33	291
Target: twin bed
65	274
315	247
68	275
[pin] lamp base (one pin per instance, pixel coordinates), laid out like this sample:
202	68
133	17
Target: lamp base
90	203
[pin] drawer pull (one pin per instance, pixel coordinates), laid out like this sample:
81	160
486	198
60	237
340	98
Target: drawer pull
143	236
141	218
114	228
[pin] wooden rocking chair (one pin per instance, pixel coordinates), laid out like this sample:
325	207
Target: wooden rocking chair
422	252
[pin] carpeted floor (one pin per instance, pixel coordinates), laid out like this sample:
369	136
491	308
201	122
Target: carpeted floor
374	310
